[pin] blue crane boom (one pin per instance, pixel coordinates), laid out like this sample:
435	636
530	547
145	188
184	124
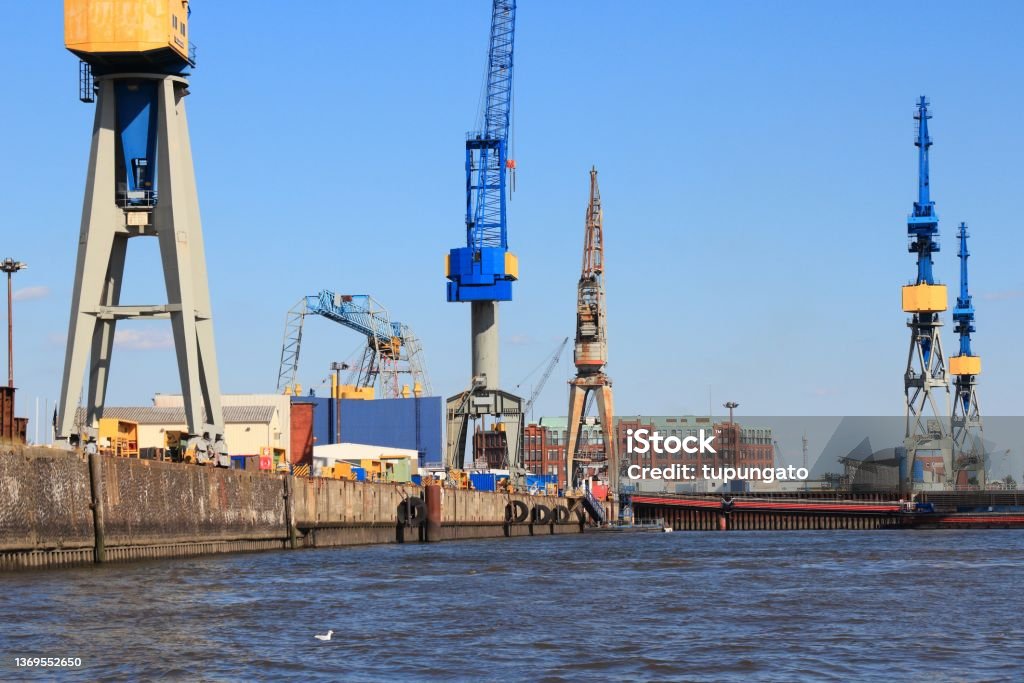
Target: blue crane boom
923	224
484	269
922	232
963	314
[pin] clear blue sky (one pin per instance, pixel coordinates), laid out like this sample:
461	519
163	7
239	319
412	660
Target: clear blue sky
756	165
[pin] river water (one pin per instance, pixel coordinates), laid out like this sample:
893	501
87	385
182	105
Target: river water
788	606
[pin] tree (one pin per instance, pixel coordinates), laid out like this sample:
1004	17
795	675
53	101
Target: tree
1010	482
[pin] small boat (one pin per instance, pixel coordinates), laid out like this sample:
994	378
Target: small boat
657	526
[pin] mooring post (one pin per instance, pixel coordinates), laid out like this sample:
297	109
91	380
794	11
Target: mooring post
289	513
433	495
96	490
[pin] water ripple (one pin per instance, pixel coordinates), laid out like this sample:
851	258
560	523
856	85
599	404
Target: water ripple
770	606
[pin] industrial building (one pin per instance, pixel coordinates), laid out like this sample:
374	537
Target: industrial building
277	437
406	423
250	428
545	443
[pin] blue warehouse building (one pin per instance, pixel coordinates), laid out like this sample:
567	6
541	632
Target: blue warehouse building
411	423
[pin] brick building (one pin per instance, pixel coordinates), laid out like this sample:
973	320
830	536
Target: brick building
736	445
544	443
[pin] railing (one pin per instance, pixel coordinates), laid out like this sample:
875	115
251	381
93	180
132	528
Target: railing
132	199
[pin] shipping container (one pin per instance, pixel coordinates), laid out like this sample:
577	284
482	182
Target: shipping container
483	481
359	472
238	462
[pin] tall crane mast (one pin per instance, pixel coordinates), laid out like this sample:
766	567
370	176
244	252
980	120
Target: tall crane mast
591	350
482	272
925	381
140	183
968	444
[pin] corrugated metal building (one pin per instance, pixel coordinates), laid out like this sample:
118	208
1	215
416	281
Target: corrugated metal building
248	428
280	438
412	423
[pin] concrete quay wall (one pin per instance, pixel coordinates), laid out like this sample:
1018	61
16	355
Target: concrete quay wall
60	508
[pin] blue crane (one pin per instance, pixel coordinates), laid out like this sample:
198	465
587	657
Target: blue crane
484	269
923	223
481	273
968	444
391	347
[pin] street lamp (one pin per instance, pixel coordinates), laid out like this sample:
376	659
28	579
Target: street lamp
732	431
10	266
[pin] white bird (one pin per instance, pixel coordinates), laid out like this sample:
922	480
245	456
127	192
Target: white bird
326	636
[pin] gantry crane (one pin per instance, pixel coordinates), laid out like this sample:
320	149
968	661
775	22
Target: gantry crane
140	183
481	273
392	350
968	443
591	351
925	382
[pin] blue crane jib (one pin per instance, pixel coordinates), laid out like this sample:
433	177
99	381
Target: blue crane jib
923	224
963	314
357	312
484	269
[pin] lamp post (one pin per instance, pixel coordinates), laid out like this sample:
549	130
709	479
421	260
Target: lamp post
732	431
10	266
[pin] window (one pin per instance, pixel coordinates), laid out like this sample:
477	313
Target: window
174	21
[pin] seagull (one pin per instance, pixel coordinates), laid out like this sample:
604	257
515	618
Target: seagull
326	636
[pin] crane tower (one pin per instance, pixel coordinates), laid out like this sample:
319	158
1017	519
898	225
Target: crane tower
926	386
482	272
968	445
140	183
591	350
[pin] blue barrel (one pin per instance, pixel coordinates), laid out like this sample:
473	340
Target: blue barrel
417	479
901	459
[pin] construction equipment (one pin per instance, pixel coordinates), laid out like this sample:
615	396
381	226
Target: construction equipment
965	423
591	351
138	59
925	382
457	479
481	273
548	369
392	350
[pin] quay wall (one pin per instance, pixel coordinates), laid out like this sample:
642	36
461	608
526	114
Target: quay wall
60	508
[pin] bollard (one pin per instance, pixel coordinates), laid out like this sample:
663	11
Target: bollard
289	511
96	485
433	495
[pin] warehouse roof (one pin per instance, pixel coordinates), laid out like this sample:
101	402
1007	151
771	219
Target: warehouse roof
149	415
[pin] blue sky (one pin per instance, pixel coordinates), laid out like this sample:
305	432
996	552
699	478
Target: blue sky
756	166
